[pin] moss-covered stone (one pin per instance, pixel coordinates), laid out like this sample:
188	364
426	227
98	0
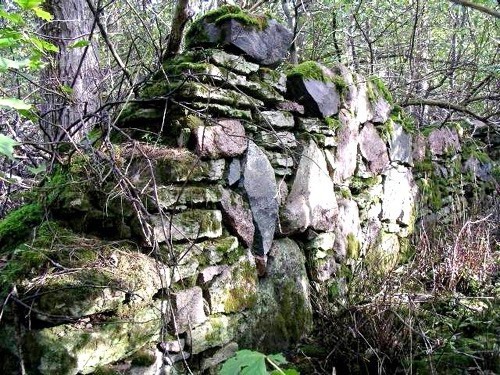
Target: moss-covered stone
18	224
375	87
310	70
196	35
353	247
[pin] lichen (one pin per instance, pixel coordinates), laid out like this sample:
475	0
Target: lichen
353	246
241	296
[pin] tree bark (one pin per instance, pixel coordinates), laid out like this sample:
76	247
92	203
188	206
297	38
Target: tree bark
72	76
181	16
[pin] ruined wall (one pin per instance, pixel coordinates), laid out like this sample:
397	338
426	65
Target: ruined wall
260	184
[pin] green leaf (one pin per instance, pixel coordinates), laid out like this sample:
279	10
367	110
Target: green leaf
7	146
245	362
43	45
40	169
79	44
28	114
12	64
279	359
44	15
14	103
13	17
7	42
28	4
288	371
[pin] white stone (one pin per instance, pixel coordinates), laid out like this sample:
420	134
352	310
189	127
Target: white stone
400	145
398	200
311	202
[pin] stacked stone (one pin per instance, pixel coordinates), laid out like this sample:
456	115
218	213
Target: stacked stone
252	171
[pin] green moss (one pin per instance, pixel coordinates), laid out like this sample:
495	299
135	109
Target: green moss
379	85
340	85
353	246
399	116
424	166
388	130
475	149
197	35
241	296
333	123
105	370
358	184
17	225
309	70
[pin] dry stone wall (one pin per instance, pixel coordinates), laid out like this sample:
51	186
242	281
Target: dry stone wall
260	184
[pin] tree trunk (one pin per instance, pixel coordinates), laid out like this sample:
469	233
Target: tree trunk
71	78
181	16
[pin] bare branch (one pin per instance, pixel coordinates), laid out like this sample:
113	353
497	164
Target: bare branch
479	7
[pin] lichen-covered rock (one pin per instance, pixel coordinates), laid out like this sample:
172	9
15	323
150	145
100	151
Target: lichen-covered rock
238	216
235	289
263	41
444	140
277	140
226	139
233	62
217	331
187	309
187	225
347	148
206	93
400	145
398	202
316	125
311	202
171	165
221	355
277	120
283	312
313	86
259	183
383	253
348	234
71	349
172	196
321	255
373	149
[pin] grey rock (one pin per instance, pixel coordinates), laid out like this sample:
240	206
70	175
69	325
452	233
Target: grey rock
319	98
266	47
400	145
381	110
226	139
233	62
238	216
348	235
172	358
206	93
187	309
362	106
235	289
208	252
170	196
373	149
260	186
219	110
234	173
277	119
173	346
311	202
478	169
218	330
281	140
398	202
208	273
444	140
419	147
347	148
220	356
187	225
283	313
173	165
291	107
315	125
275	79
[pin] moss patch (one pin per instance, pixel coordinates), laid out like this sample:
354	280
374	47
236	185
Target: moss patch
376	83
309	70
17	225
353	246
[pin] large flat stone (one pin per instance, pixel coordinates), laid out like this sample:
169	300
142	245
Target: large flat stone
373	149
187	309
226	139
311	202
260	186
188	225
398	201
347	147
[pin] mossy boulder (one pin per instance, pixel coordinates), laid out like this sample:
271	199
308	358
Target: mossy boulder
260	39
317	88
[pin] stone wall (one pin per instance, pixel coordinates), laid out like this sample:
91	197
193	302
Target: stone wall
260	184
